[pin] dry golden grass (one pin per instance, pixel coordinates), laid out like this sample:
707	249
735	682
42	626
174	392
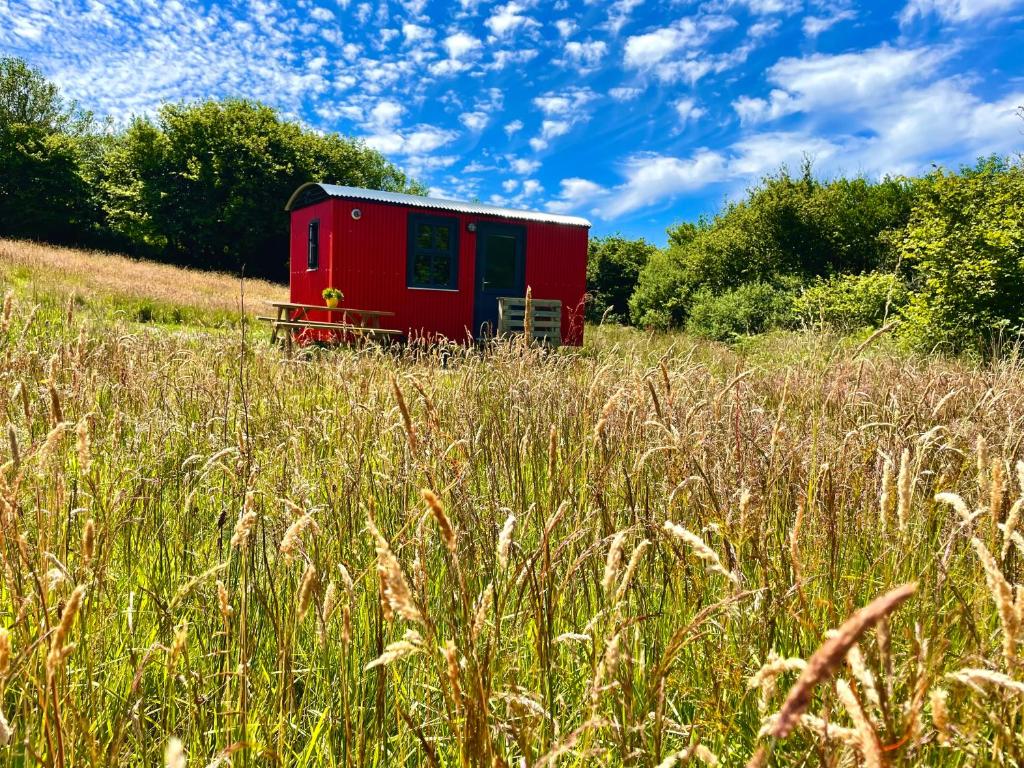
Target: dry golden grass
93	274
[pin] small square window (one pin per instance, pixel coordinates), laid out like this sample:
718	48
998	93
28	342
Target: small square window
433	252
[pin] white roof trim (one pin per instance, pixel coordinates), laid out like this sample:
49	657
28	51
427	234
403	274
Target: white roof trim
416	201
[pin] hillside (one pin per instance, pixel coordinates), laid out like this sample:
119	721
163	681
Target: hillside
143	290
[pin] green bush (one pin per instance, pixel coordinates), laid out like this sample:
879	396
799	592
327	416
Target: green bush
850	302
966	243
751	308
788	226
613	267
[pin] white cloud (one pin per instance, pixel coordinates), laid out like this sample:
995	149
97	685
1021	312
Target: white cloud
688	110
762	29
815	25
757	110
321	14
564	102
765	7
531	187
675	52
475	121
414	7
522	166
507	18
575	193
843	82
503	58
619	13
585	56
419	165
552	129
513	127
656	178
764	153
956	10
427	139
623	93
419	141
414	33
650	48
563	110
565	27
459	44
509	185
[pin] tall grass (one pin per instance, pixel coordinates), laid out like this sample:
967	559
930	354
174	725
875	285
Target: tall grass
625	555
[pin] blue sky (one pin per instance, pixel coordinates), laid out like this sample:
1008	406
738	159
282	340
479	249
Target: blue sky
635	113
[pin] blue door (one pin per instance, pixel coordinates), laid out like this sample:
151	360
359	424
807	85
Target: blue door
500	271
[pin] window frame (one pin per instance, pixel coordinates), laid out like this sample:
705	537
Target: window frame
313	261
413	250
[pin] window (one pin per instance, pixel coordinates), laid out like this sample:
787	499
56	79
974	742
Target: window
313	245
433	252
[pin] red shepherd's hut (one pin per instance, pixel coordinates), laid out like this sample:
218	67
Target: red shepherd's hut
439	265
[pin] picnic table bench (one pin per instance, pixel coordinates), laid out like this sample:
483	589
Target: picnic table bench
292	318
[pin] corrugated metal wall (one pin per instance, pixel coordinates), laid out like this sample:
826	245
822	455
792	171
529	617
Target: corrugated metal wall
306	284
368	259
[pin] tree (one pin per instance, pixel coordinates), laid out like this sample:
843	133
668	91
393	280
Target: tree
965	241
45	190
787	227
205	184
613	267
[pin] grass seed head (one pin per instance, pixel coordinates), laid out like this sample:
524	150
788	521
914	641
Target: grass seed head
179	644
980	679
505	542
613	562
996	489
5	652
59	646
222	601
395	592
444	525
291	542
904	491
174	753
12	442
826	660
245	524
956	501
307	588
1002	595
701	549
88	540
634	563
451	657
940	714
867	739
84	452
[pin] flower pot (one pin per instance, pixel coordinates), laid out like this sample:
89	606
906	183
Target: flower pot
331	302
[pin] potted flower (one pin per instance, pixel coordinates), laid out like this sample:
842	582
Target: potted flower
332	296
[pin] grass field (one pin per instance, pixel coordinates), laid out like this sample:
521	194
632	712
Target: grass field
627	554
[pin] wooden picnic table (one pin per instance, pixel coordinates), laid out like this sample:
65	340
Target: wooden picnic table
292	317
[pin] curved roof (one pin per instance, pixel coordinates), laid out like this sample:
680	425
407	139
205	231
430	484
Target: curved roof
311	192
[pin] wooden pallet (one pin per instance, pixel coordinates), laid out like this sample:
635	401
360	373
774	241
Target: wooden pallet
545	318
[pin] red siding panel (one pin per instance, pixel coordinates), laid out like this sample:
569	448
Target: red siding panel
366	258
307	284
